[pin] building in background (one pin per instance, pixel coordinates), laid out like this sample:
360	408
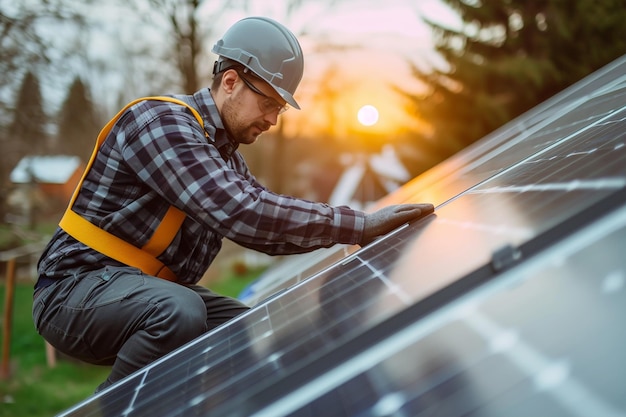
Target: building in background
42	184
368	178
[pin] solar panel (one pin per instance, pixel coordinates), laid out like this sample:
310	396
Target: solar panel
543	339
506	301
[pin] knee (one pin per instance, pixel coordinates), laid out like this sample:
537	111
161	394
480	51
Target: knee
184	314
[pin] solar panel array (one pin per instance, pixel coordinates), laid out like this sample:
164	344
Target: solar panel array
508	300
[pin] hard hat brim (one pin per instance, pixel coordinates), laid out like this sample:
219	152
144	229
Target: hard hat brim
287	97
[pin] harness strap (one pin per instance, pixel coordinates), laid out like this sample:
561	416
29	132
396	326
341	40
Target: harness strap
144	258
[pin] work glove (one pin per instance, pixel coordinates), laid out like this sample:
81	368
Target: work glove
388	218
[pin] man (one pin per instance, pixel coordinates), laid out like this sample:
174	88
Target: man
99	296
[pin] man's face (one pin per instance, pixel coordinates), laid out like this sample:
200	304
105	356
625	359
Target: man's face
251	109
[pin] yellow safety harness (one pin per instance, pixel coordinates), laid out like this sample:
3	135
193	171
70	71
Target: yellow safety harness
144	258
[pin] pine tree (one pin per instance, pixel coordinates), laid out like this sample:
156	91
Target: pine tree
509	56
27	132
78	125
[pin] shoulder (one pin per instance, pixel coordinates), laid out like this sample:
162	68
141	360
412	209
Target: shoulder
152	108
161	115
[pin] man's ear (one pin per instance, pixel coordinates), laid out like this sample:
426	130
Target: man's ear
228	80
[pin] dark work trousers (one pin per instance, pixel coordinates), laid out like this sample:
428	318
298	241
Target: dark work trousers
124	318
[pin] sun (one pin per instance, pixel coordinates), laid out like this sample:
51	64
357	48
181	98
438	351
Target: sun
368	115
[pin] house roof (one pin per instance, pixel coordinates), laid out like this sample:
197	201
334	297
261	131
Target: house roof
51	169
384	168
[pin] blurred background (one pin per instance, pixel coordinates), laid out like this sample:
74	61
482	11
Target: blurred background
390	89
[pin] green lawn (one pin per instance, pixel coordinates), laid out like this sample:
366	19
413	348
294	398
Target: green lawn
34	389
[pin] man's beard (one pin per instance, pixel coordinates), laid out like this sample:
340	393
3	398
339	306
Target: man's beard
237	130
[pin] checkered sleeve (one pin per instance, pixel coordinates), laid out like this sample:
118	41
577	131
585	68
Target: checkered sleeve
170	157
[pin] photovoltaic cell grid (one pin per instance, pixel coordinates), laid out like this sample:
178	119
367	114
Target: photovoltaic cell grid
543	339
324	344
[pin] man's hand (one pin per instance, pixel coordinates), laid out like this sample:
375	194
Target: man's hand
388	218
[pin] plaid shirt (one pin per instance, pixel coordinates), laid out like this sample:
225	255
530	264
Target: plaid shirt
157	155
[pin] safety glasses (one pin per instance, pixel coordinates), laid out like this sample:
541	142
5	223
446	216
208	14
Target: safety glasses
268	104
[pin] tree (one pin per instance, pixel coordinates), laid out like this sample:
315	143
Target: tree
28	129
78	126
188	41
23	46
182	57
508	56
26	133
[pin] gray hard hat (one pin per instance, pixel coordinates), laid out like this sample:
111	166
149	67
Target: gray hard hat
268	49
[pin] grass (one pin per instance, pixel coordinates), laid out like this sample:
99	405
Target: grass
36	390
